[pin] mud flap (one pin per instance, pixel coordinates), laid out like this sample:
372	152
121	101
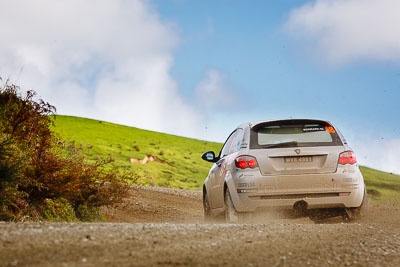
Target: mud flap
356	213
231	214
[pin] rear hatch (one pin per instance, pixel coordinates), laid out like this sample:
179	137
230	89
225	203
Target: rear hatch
293	147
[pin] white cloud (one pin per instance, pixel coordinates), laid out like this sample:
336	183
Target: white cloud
349	30
381	154
212	91
97	58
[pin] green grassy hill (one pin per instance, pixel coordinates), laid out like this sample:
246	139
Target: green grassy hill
181	165
382	186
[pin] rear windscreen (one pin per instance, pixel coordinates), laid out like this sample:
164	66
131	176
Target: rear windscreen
293	133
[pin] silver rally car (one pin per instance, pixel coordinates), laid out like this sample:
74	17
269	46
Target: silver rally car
301	165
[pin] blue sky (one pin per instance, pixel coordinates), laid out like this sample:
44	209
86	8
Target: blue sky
275	74
200	68
272	74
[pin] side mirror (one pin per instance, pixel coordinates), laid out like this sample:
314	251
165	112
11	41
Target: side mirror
209	156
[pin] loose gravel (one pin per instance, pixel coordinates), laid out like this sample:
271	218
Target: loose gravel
177	241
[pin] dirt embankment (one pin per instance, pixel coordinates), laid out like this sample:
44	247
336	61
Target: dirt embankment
164	227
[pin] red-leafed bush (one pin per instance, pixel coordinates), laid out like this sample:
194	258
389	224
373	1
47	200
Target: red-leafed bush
39	171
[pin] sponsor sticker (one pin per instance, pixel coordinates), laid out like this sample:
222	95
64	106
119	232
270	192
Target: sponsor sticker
330	129
313	129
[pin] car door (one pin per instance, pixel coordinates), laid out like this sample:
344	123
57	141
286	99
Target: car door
228	159
215	173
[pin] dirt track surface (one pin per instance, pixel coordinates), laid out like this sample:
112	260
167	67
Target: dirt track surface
156	204
164	227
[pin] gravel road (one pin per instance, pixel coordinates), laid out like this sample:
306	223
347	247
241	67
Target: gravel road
163	227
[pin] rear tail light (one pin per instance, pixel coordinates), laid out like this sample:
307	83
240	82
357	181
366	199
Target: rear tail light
243	162
347	157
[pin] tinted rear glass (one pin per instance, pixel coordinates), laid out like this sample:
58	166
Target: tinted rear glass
294	133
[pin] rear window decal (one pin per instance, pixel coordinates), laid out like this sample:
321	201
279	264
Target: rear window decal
330	129
313	129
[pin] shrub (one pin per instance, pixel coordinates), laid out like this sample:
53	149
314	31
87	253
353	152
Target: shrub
38	168
57	210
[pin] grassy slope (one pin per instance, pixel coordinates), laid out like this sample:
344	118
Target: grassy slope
382	186
185	168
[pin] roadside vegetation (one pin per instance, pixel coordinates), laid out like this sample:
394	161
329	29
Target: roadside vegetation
43	177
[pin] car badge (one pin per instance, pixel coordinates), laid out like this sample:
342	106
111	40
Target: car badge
297	151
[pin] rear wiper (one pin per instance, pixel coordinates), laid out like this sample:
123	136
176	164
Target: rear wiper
290	143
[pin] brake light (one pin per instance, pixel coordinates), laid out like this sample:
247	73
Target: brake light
244	162
347	157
